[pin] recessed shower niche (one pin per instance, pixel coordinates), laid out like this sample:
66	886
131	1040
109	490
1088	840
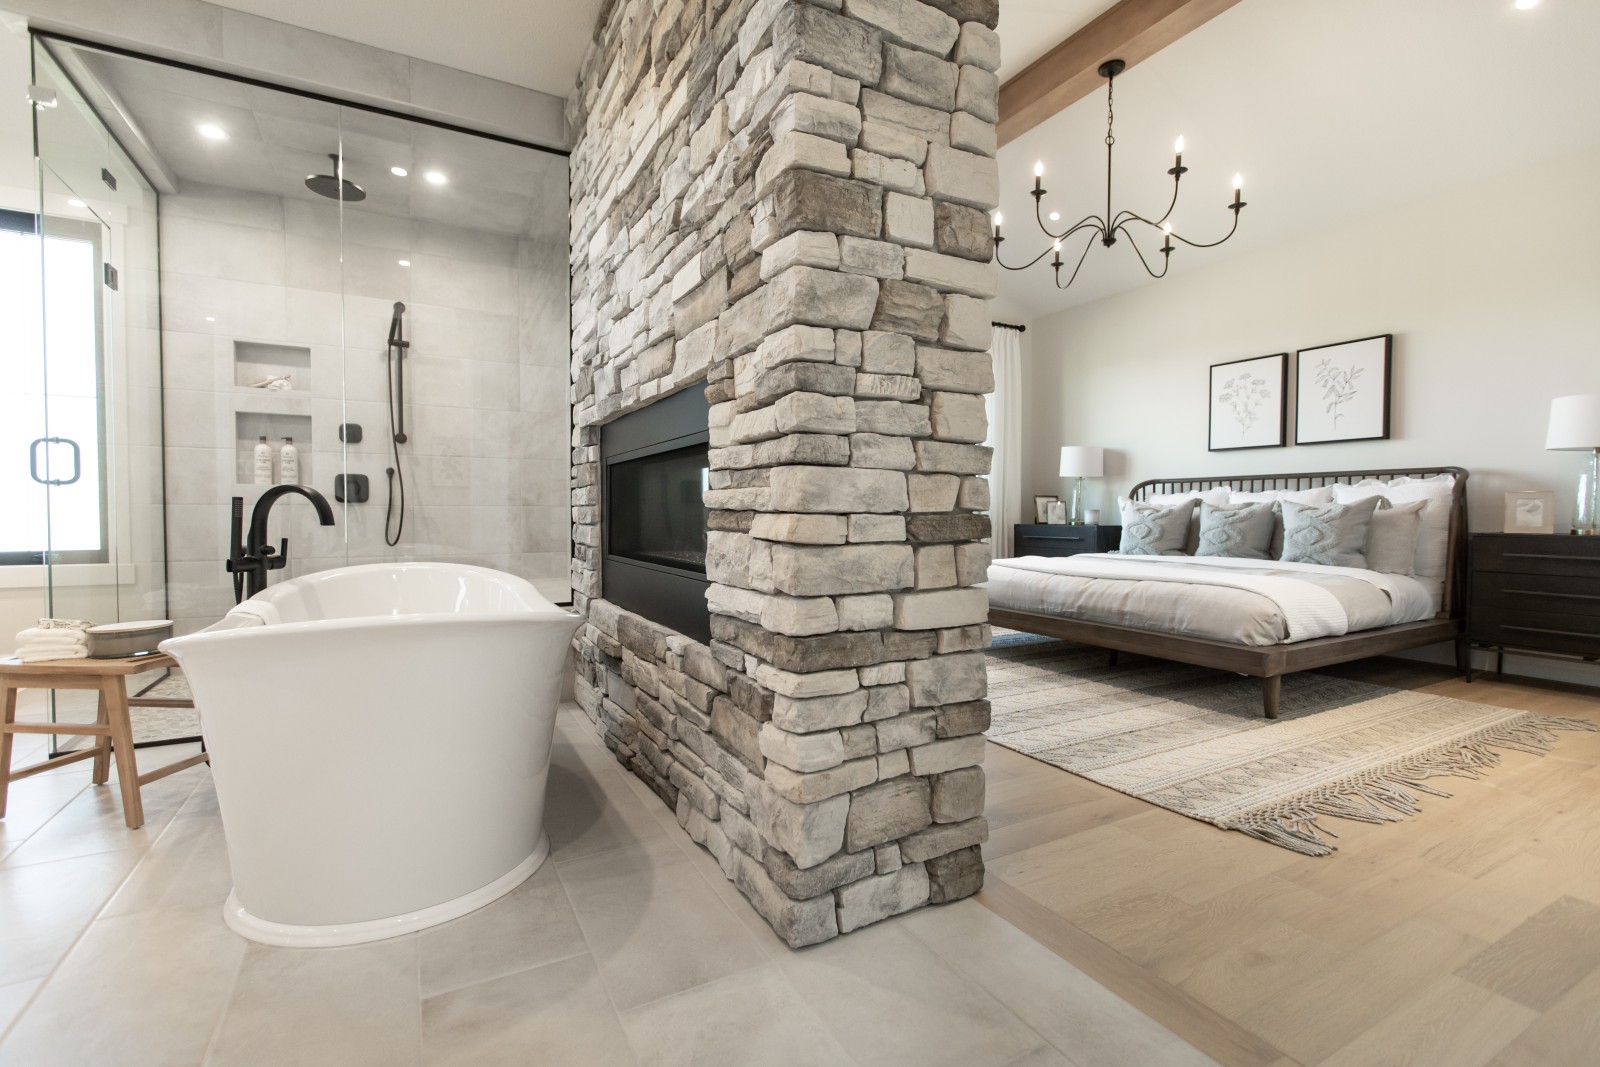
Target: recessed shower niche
255	364
251	426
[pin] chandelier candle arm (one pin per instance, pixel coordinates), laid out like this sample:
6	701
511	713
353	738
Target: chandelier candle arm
1107	228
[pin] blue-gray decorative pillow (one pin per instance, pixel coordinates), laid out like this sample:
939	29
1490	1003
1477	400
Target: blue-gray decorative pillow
1153	530
1333	535
1242	531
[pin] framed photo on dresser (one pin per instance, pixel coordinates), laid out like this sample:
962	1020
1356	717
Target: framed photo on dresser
1248	400
1342	391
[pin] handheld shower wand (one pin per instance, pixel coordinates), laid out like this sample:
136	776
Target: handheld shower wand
394	361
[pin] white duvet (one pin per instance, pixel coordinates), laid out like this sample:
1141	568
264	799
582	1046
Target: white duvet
1257	601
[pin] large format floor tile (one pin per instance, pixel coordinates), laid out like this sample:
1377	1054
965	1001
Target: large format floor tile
888	998
137	990
355	1006
555	1014
752	1017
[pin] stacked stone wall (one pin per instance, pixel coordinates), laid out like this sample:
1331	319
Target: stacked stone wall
786	202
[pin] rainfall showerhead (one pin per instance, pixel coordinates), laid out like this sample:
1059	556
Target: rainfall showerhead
335	186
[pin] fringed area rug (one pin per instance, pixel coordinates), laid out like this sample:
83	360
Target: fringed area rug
1194	740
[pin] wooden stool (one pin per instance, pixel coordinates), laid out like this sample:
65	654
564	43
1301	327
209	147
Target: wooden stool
112	725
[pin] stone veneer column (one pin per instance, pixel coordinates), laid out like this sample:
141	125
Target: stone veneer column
790	200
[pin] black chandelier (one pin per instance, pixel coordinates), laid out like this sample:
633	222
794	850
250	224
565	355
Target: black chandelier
1107	227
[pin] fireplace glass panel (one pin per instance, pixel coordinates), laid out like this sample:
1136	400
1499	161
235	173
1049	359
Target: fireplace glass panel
657	511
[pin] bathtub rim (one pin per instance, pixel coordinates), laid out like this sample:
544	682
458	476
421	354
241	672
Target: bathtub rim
210	635
334	935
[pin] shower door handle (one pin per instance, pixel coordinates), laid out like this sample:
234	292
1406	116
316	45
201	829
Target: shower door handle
33	460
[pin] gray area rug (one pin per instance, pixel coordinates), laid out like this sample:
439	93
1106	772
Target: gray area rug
1194	741
165	724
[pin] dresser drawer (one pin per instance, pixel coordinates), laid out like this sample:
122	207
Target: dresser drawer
1038	539
1577	635
1557	594
1577	557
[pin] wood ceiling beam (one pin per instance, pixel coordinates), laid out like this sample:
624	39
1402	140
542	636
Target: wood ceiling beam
1132	31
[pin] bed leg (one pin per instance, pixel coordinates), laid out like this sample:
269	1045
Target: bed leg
1111	657
1464	656
1270	690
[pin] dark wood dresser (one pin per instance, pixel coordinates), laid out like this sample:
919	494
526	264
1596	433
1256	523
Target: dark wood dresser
1038	539
1537	594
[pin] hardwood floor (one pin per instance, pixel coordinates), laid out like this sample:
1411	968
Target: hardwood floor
1467	936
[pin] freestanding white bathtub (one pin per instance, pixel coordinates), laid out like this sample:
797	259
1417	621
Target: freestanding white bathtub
380	740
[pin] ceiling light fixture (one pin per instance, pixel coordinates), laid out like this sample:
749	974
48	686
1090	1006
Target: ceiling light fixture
405	262
436	177
1527	5
399	172
211	131
75	202
1107	228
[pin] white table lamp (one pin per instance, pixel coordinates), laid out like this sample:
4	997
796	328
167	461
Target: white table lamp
1080	462
1575	427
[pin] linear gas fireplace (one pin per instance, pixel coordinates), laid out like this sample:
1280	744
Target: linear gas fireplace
654	516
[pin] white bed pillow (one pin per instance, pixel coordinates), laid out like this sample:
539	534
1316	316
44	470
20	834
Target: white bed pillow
1217	497
1392	541
1433	528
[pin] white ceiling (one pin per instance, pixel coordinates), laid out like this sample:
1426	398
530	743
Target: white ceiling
533	43
275	139
1030	28
1332	111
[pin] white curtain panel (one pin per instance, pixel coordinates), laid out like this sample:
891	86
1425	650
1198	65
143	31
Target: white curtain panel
1005	437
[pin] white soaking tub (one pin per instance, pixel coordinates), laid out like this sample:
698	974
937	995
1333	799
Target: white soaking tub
380	740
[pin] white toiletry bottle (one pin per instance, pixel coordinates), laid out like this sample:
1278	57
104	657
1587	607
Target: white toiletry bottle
263	461
289	463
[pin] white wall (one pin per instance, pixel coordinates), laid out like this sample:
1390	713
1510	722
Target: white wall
1493	297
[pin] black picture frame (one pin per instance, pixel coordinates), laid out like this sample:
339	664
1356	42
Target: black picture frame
1221	415
1372	420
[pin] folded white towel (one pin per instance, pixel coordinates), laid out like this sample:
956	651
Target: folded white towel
64	624
40	655
47	635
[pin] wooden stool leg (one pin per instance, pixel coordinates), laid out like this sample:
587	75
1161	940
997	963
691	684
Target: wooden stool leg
114	691
5	745
102	745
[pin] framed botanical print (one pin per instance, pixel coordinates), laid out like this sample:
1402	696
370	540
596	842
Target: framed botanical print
1248	400
1342	391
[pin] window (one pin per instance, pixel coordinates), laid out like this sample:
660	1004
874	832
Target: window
52	422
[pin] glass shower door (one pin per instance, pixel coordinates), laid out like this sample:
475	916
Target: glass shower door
97	454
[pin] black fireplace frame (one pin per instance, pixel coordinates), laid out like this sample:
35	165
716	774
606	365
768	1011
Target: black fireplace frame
672	596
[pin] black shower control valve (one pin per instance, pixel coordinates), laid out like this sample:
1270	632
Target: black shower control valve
350	433
350	488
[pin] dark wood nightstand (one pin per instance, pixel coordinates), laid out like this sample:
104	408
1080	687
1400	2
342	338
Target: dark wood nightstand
1038	539
1537	594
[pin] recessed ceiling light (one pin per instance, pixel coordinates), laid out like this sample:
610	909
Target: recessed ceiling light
436	177
1526	5
75	202
399	172
211	318
211	131
405	263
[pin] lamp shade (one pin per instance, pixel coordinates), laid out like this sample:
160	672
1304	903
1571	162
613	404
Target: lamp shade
1574	424
1083	461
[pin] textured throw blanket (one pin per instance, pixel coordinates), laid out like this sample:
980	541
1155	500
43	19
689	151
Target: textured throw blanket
1309	609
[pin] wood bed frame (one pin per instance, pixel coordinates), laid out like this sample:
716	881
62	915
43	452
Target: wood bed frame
1271	662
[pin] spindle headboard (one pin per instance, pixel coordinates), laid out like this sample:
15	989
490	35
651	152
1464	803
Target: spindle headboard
1455	545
